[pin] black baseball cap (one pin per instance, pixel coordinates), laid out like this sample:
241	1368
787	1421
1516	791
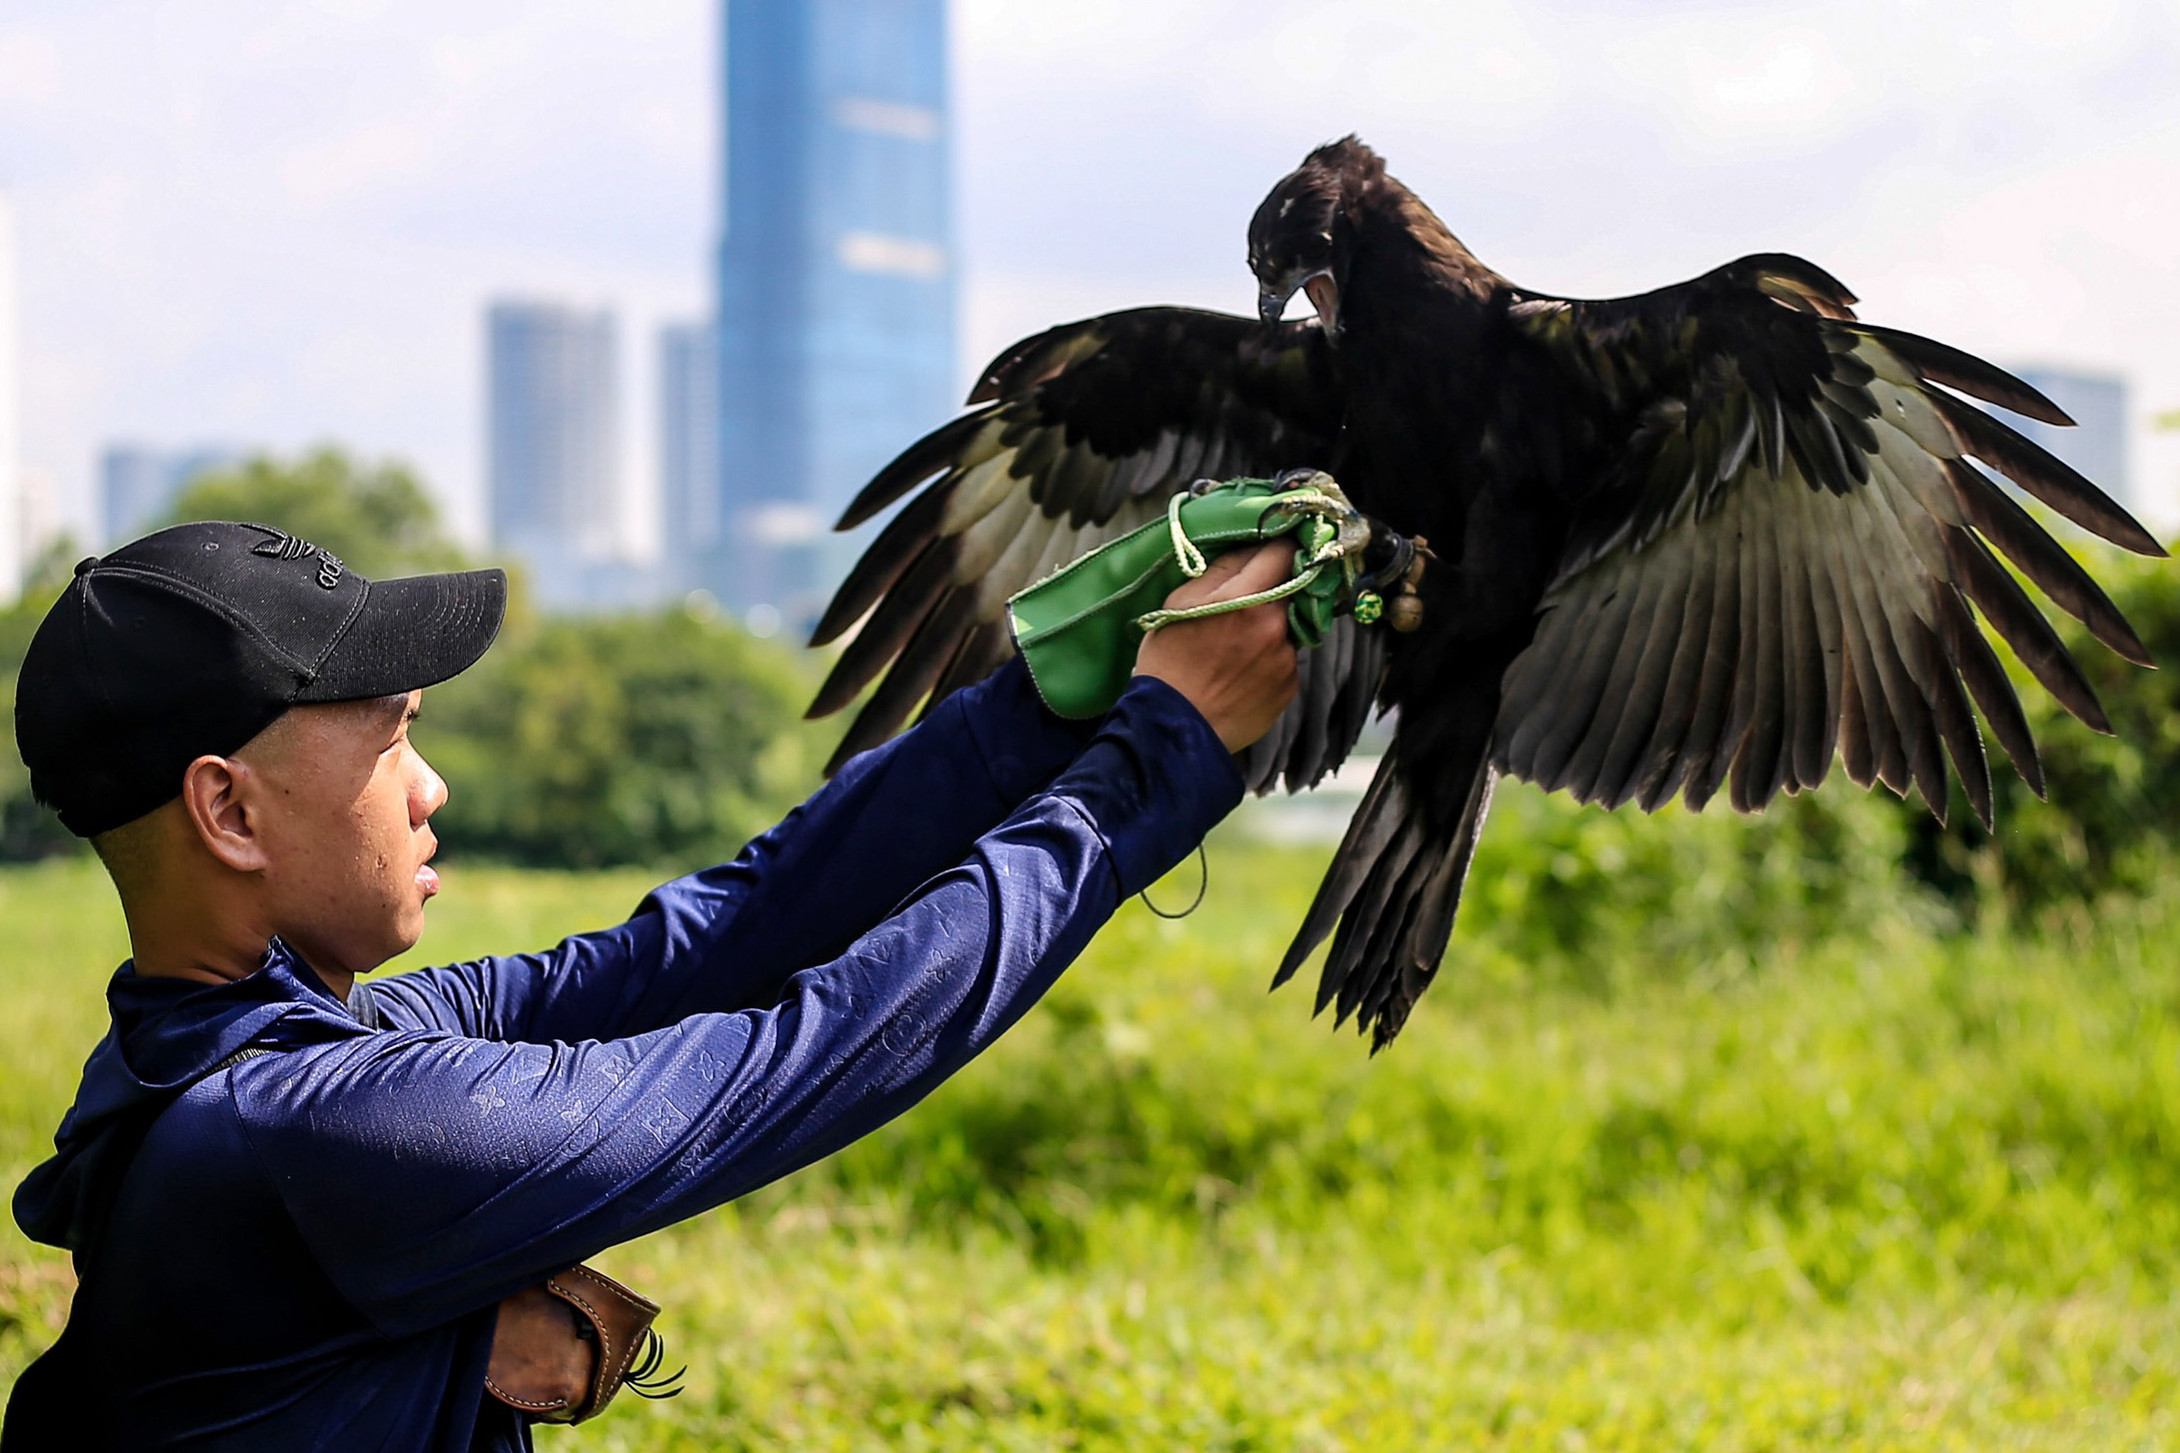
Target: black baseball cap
194	639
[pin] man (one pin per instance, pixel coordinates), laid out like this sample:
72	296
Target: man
297	1201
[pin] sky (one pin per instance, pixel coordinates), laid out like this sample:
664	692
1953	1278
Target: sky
272	224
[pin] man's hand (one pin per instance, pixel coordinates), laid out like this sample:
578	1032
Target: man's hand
1238	669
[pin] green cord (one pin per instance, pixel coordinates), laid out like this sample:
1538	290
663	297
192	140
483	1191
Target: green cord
1193	564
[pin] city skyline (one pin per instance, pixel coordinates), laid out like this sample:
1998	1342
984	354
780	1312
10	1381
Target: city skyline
333	198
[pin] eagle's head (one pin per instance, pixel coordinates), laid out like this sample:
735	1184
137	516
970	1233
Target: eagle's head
1294	239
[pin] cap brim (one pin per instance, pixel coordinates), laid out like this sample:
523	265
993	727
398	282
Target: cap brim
412	633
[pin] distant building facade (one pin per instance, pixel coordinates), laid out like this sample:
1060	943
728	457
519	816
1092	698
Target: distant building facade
139	484
688	447
2098	445
836	279
554	441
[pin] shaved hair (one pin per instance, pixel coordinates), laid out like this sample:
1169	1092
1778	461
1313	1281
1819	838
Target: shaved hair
130	853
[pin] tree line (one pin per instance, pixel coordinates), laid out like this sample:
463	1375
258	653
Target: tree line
666	738
663	737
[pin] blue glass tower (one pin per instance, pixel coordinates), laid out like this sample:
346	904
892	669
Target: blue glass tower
836	277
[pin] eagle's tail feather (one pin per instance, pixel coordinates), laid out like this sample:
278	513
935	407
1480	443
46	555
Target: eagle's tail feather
1393	889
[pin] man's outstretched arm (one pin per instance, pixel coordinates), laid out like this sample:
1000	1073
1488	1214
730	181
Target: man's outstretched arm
729	936
488	1164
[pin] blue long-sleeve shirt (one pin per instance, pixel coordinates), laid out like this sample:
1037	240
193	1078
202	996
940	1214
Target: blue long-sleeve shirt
307	1249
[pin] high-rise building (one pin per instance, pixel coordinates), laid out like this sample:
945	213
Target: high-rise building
2097	446
139	485
554	471
835	299
688	363
12	544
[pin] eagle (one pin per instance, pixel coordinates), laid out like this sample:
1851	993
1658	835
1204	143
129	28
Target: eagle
1699	540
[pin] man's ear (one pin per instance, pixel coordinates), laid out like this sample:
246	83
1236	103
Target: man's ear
220	805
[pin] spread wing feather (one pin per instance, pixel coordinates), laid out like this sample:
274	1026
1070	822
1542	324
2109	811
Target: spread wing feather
1075	437
1785	559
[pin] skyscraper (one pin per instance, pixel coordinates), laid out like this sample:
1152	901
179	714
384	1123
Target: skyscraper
688	363
2098	445
11	509
554	472
836	275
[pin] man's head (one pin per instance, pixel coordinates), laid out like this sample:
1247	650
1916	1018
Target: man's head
223	709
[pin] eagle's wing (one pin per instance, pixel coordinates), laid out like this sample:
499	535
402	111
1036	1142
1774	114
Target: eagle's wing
1785	557
1076	437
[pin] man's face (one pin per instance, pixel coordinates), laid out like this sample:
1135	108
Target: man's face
342	800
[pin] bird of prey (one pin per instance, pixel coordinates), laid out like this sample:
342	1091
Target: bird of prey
1699	539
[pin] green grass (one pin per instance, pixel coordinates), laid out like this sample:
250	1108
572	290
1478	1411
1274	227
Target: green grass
1878	1187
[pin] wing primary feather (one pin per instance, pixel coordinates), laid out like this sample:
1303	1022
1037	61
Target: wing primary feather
1571	702
922	661
888	629
899	546
1827	642
2023	628
984	543
1668	623
2044	560
1702	751
2042	474
1911	718
1870	648
1943	363
1956	721
953	445
1622	679
1655	771
1755	767
1856	750
1807	752
1987	682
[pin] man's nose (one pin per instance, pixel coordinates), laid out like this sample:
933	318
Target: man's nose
427	796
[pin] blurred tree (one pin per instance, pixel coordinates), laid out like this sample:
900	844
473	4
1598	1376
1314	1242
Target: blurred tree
659	739
1602	898
376	517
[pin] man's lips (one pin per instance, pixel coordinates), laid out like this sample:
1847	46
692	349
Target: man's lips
427	878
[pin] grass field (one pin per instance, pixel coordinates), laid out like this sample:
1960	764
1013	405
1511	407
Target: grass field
1884	1187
